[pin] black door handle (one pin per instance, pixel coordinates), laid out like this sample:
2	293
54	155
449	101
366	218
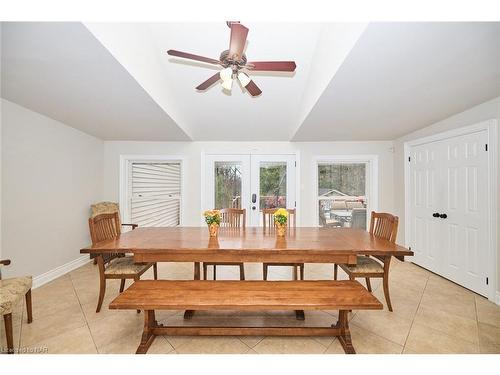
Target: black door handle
443	216
253	207
435	214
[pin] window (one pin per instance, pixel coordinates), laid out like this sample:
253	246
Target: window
155	193
342	194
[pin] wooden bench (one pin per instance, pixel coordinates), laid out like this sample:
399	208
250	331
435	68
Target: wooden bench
151	295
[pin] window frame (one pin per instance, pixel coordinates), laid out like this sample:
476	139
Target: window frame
371	177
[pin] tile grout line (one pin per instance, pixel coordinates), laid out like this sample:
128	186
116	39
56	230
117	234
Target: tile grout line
83	313
414	316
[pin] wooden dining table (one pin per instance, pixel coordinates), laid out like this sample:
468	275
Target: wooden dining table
251	244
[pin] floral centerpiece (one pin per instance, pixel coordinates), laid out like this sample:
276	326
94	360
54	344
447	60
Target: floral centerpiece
212	218
280	220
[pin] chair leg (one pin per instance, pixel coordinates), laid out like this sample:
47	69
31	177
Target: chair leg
155	271
294	273
102	291
264	271
7	319
385	282
215	270
301	271
122	285
368	285
29	309
205	271
242	271
335	271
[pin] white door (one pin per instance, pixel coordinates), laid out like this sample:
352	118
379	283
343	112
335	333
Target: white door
252	182
449	213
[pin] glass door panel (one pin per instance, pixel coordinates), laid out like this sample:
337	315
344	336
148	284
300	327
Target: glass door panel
272	184
228	190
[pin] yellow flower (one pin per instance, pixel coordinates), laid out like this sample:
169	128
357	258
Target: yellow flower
281	212
211	213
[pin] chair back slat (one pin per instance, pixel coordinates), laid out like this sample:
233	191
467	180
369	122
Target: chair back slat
384	225
268	218
233	218
105	227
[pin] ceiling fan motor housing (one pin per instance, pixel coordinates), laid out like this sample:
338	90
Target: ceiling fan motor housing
227	61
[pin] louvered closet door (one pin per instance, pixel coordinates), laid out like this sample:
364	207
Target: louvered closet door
155	194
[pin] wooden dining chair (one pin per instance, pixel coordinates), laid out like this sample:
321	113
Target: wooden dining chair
268	224
12	291
112	265
385	226
231	218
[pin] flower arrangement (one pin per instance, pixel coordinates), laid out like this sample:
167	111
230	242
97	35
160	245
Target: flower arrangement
212	218
280	220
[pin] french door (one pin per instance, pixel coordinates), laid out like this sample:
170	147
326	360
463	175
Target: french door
449	230
253	182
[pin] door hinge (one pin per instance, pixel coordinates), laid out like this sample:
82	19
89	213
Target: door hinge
295	204
409	158
487	281
409	247
486	147
295	163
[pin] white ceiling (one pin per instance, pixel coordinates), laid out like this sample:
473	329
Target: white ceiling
400	77
213	115
62	71
115	80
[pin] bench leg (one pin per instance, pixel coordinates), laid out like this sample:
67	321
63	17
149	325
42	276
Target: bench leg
345	334
147	334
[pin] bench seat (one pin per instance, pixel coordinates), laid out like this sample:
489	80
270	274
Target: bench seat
151	295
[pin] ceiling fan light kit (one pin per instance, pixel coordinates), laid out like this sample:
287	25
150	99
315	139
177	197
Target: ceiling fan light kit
233	60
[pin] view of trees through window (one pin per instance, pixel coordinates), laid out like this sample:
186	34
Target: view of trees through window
227	185
348	179
272	184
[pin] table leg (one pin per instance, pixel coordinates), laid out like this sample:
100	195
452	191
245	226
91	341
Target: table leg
188	314
345	334
299	315
147	334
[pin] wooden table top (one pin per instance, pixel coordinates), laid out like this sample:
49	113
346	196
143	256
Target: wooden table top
252	244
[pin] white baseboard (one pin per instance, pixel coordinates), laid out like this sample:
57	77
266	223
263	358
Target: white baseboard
48	276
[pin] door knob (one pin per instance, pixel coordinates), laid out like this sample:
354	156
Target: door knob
253	207
443	216
435	214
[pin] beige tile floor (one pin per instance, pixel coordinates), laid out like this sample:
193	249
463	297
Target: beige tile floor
431	315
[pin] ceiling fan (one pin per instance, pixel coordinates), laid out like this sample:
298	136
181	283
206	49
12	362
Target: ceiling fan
234	60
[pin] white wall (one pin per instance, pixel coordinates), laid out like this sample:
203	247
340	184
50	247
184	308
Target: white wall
192	168
486	111
51	173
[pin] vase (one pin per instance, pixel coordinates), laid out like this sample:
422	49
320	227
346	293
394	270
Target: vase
280	229
213	229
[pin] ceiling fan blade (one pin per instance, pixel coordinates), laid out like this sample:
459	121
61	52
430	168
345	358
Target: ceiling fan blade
237	41
273	66
209	82
253	89
185	55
